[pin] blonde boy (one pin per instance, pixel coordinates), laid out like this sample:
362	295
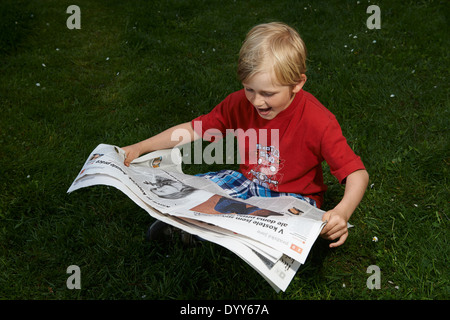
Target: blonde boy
297	133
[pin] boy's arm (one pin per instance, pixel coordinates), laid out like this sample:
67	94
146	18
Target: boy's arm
164	140
336	227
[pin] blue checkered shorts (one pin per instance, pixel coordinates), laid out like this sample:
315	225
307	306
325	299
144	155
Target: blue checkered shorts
236	185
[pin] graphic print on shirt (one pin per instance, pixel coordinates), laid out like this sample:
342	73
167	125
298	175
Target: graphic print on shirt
266	171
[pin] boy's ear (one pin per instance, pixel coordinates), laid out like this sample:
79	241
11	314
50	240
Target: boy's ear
300	85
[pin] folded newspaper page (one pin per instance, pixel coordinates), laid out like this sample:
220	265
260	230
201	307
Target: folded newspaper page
273	235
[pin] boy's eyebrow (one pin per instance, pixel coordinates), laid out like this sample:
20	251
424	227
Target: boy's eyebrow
262	91
270	92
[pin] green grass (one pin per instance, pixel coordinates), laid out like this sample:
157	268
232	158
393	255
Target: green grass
136	68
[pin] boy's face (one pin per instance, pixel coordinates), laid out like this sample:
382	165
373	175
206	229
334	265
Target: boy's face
268	97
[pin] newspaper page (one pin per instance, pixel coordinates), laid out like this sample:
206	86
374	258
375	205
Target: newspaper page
278	272
274	234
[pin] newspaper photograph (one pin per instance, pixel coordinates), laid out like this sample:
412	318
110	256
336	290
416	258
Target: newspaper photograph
273	235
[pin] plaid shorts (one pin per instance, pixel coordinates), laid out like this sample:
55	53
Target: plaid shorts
238	186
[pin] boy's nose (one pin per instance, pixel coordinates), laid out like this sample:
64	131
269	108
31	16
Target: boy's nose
258	101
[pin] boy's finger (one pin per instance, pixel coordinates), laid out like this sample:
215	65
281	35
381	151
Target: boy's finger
326	217
329	230
127	160
340	241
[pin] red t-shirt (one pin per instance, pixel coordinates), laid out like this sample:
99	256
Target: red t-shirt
285	153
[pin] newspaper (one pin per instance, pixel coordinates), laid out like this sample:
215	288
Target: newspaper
273	235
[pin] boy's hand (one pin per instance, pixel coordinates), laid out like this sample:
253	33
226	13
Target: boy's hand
337	218
336	228
131	153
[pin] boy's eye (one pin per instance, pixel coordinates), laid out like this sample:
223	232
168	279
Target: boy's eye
265	94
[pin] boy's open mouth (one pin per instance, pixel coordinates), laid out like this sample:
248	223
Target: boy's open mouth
264	111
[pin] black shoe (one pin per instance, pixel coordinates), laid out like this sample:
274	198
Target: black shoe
162	231
158	231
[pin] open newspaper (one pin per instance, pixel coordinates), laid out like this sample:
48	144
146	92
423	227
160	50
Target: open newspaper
273	235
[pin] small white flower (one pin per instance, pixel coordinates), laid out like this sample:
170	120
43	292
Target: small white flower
57	49
28	176
117	73
38	84
343	285
354	37
415	205
371	186
345	46
374	41
392	95
375	239
107	58
44	65
397	287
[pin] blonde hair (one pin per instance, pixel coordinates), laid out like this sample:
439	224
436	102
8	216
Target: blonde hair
273	47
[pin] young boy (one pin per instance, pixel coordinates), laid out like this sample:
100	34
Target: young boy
295	132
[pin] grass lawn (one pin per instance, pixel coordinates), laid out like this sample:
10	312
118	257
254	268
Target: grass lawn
137	67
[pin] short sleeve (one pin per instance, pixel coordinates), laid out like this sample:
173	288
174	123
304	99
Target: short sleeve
335	150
